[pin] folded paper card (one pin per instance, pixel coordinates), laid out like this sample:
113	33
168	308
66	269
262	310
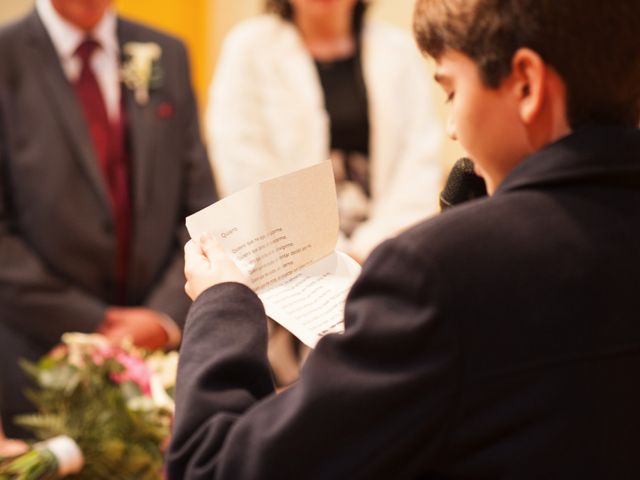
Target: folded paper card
282	234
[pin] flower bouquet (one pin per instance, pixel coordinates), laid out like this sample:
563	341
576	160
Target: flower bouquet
104	412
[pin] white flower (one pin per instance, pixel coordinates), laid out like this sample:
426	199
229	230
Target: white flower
159	395
140	69
79	344
165	366
141	404
159	399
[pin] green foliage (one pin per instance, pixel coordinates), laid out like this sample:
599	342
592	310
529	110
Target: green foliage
82	400
33	465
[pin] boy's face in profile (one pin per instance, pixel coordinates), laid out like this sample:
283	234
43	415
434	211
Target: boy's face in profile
486	121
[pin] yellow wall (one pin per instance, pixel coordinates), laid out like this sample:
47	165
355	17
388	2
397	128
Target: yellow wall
10	9
186	19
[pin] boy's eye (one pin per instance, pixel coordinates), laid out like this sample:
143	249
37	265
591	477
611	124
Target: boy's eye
450	97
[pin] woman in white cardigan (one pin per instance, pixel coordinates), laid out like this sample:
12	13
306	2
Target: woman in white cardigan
270	113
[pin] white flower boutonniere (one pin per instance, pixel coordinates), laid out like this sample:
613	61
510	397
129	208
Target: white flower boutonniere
141	69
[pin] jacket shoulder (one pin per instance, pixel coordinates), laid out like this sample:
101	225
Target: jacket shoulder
12	38
483	220
14	30
259	31
396	46
385	34
135	31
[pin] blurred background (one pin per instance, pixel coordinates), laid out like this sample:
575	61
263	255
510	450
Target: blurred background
203	24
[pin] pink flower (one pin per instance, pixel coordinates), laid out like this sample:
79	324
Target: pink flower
102	353
135	370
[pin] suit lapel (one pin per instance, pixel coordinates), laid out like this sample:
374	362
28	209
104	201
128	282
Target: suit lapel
65	104
141	131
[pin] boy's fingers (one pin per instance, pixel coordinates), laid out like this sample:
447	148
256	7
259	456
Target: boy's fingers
210	247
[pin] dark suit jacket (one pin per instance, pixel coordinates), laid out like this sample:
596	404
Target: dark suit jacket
57	242
500	340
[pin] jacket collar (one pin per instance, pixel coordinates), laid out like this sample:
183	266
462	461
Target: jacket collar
46	67
591	154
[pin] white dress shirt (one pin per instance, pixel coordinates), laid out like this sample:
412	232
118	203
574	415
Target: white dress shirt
105	63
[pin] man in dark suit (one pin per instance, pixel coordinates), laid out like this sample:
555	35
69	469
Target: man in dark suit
500	340
96	177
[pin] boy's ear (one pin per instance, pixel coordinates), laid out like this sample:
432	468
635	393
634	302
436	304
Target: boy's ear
528	72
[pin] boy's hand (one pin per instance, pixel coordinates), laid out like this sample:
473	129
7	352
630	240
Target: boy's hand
206	264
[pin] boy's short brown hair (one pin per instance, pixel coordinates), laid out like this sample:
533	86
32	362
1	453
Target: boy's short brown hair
594	45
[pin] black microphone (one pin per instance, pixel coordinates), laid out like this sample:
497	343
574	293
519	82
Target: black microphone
462	185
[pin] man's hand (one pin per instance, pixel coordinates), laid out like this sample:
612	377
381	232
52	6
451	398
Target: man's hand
206	264
142	325
11	448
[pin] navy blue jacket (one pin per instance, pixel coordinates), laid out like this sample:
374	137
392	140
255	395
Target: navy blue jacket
500	340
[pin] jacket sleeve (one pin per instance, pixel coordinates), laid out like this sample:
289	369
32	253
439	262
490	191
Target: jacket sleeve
198	192
411	191
236	122
368	403
33	300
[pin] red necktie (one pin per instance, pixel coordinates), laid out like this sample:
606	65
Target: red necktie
108	141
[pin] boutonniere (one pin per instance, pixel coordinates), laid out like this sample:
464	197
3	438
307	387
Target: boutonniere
141	70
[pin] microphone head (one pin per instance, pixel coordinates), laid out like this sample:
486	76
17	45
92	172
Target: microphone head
462	185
